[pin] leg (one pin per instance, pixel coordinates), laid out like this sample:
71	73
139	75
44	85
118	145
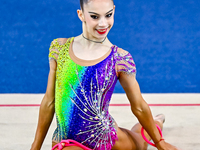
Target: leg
132	139
128	139
159	120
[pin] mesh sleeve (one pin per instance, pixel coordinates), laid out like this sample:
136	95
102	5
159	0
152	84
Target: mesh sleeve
125	63
54	50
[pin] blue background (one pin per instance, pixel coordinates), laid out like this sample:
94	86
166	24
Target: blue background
162	35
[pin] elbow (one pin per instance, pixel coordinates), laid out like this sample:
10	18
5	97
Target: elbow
140	110
51	104
137	111
48	102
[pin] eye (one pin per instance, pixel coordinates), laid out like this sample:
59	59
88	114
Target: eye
94	17
109	15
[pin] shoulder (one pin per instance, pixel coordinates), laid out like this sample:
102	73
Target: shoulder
55	47
59	41
125	63
125	56
62	41
122	51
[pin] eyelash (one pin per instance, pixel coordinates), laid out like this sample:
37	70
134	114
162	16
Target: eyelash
109	15
96	17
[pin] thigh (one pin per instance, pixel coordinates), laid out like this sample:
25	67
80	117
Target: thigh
67	148
128	140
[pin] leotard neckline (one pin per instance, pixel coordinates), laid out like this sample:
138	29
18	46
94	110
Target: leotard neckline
83	62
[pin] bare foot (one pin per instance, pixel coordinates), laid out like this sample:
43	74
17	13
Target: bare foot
160	118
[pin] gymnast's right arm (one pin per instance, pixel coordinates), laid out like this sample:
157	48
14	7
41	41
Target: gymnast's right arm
47	108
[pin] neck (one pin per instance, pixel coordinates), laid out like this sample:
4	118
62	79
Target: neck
94	41
87	45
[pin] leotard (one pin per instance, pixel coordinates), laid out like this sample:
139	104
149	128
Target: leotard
83	93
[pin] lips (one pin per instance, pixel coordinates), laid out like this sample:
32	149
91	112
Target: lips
102	31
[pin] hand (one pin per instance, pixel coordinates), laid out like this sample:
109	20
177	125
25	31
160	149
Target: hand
162	145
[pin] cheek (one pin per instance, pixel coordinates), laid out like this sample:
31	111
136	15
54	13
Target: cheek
111	21
89	21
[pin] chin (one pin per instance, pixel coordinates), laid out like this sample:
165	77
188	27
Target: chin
102	36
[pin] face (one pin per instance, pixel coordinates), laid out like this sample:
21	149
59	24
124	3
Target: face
97	18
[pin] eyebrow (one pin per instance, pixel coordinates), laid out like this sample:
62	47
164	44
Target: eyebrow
98	14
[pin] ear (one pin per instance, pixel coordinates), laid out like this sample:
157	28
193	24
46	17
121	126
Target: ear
80	15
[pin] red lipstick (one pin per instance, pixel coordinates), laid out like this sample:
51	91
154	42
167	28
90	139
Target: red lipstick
102	31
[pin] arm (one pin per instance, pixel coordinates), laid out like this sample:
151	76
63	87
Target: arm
47	109
141	110
138	106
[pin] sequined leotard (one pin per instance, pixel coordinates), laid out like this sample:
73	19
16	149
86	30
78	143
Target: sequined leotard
82	96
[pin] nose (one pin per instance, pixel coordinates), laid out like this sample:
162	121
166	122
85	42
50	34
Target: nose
102	22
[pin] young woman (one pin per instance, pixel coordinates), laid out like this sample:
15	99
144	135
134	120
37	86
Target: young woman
83	73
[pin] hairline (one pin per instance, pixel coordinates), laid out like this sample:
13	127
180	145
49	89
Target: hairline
85	2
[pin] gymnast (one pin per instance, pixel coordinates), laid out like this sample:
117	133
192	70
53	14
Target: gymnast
83	73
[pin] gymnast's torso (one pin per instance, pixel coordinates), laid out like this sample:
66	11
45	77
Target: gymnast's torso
83	93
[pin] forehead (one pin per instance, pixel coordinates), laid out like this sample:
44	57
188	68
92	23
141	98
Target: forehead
99	6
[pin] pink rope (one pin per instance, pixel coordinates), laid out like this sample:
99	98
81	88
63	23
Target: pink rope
142	132
69	142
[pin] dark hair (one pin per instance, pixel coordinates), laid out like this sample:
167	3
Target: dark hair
82	2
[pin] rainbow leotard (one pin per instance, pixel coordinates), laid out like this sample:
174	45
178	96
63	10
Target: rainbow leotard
83	93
